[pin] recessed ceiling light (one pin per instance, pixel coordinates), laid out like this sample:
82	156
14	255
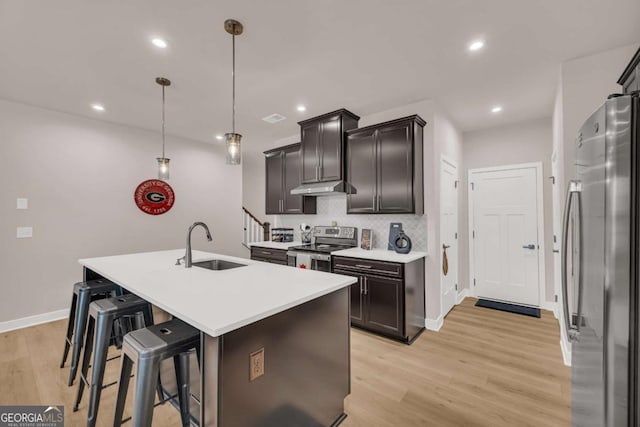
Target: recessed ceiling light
97	107
301	108
476	45
496	109
158	42
219	137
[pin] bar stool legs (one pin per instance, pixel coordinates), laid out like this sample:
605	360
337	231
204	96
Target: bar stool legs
103	313
147	348
80	324
70	324
83	294
181	362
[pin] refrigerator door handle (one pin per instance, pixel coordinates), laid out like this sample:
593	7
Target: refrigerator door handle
574	188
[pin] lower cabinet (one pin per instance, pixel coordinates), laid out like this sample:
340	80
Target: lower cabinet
274	256
385	305
388	298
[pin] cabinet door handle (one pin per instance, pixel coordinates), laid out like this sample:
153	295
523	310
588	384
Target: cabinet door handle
361	289
363	266
265	253
366	285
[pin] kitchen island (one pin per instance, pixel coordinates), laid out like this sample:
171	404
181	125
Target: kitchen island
296	322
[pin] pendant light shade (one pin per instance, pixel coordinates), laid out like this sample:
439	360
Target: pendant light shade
233	148
234	153
163	168
163	162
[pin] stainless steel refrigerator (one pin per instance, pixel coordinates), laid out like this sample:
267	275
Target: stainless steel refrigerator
600	266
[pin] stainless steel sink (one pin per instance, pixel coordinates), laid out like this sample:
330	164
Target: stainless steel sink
218	264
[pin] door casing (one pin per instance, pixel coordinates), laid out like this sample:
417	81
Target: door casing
445	160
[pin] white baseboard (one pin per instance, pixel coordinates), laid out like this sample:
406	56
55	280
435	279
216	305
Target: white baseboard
434	324
462	295
25	322
566	353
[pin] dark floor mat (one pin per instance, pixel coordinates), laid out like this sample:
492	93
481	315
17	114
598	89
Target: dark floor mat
511	308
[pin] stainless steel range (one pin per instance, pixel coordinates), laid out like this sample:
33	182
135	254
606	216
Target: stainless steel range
317	255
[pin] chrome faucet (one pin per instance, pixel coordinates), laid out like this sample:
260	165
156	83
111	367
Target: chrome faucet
187	256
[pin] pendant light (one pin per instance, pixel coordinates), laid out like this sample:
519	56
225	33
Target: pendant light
234	28
163	162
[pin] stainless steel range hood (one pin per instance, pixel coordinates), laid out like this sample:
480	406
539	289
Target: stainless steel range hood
321	188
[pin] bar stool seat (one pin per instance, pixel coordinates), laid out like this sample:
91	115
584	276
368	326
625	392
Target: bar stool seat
102	315
147	348
83	294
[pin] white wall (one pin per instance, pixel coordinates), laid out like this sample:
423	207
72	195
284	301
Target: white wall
519	143
79	176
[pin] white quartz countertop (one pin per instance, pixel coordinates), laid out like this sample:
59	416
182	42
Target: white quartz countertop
380	255
275	245
216	302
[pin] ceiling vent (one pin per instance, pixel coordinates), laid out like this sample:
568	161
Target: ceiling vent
274	118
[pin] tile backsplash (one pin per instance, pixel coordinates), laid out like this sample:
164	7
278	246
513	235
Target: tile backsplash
334	208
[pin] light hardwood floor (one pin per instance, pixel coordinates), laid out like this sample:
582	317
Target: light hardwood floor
483	368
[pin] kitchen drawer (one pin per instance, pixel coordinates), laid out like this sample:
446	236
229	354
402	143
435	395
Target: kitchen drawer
269	254
366	266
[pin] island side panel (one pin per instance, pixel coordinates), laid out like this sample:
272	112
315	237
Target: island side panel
306	367
414	298
209	379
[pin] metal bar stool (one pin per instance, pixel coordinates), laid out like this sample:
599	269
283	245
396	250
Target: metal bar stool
102	315
83	294
147	348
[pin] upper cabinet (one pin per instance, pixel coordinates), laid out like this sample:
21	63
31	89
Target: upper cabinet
630	78
323	144
384	171
283	173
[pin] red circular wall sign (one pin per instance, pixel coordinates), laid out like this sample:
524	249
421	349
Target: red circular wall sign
154	197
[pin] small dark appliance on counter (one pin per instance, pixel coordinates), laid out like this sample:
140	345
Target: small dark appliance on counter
282	235
398	241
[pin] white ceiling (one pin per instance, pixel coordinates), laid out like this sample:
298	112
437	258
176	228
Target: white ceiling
365	55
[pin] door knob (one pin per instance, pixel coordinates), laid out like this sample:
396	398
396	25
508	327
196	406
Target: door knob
529	246
445	247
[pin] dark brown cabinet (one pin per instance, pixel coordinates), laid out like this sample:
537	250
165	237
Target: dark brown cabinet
630	78
357	303
282	168
384	167
322	145
388	298
384	304
274	256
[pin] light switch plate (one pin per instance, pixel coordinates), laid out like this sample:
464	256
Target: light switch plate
22	203
256	364
24	232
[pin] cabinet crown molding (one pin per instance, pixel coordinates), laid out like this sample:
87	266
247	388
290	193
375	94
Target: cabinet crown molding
342	111
416	118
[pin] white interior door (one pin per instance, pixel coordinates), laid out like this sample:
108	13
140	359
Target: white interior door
448	248
505	237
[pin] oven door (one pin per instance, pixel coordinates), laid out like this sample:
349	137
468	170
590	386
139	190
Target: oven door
321	263
310	260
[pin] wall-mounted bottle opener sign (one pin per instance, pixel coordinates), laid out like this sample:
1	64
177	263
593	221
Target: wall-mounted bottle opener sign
154	197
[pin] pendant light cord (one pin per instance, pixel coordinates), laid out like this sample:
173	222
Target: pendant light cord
163	121
233	76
